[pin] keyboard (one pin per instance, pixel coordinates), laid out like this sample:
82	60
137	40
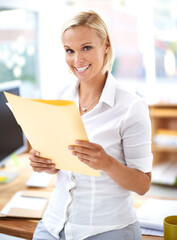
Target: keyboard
39	179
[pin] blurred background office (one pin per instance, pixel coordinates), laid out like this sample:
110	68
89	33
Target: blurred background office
144	36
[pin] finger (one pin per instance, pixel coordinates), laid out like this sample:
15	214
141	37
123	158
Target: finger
86	144
40	169
83	150
42	165
39	159
34	152
83	156
89	163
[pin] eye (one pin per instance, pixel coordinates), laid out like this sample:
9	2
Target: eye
69	51
86	48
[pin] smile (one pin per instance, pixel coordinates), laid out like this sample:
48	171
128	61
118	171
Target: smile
81	69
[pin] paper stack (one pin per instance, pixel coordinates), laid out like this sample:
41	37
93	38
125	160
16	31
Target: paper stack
152	213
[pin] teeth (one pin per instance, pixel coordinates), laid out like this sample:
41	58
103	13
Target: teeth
81	69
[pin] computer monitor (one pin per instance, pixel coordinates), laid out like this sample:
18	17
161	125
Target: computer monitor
12	139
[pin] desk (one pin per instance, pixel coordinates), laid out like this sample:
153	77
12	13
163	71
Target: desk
18	227
24	228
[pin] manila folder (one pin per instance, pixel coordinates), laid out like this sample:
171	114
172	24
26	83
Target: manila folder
51	126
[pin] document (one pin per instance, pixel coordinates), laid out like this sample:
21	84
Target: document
51	126
152	213
151	232
30	204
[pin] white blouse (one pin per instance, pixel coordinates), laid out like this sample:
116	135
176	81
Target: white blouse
87	205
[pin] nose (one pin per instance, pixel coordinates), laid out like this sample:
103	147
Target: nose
79	58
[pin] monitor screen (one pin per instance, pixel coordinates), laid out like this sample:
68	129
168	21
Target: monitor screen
12	139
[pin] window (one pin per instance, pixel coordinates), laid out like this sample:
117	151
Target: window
18	47
165	22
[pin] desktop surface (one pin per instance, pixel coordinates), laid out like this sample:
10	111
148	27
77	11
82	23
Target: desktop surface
18	227
23	227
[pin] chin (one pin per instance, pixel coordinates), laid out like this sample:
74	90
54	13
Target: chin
82	78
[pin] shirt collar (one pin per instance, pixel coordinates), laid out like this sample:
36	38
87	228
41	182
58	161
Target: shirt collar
108	93
76	88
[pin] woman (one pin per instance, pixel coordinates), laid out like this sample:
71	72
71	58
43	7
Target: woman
118	127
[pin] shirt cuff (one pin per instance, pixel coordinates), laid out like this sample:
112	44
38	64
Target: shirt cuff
142	164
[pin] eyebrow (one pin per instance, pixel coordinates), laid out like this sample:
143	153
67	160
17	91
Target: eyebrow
81	44
86	43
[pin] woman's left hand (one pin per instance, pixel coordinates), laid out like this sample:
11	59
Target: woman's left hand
91	154
95	157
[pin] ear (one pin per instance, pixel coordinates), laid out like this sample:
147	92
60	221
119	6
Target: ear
107	45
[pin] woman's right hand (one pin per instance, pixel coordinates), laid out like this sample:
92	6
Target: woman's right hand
40	164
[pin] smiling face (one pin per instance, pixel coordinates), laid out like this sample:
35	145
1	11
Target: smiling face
85	52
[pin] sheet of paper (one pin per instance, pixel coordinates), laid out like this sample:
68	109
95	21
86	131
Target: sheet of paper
152	232
51	126
22	202
152	213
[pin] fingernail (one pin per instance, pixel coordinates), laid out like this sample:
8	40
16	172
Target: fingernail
48	161
37	154
70	147
77	141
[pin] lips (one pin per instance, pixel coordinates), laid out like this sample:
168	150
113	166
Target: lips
82	69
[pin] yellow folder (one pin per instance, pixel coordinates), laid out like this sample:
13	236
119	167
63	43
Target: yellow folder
51	126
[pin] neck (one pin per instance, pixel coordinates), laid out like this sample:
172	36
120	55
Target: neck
91	89
90	93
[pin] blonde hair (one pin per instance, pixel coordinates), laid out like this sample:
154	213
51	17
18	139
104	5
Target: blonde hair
92	20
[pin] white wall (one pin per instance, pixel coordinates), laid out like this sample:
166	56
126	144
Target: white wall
51	55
